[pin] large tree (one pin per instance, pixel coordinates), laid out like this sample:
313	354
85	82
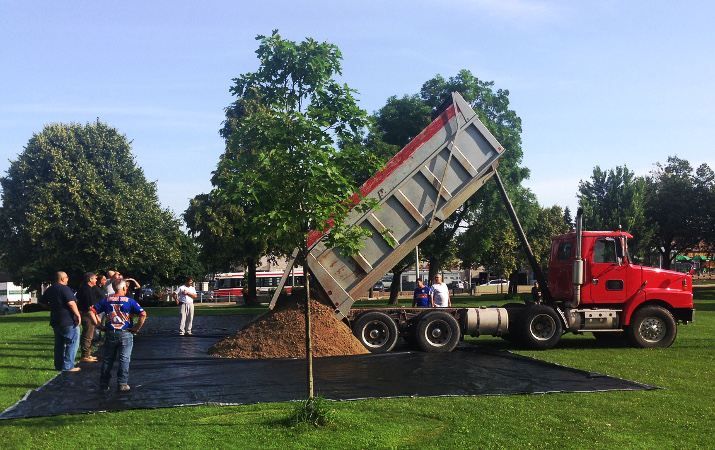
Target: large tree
613	199
75	200
402	119
284	154
679	204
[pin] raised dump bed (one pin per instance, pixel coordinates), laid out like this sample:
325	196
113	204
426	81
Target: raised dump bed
418	189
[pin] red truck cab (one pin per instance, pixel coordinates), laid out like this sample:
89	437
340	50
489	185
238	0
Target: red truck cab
644	302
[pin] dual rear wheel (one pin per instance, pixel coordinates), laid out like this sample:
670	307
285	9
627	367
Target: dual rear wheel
435	332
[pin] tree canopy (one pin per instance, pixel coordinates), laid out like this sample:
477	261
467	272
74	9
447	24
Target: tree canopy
285	157
679	204
615	198
75	200
482	224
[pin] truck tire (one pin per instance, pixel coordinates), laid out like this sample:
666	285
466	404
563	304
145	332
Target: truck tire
540	328
376	331
438	332
652	327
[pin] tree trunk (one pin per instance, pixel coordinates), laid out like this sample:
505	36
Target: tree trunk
513	281
395	287
308	344
250	296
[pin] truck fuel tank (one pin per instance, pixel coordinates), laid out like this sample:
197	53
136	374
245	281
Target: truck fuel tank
489	321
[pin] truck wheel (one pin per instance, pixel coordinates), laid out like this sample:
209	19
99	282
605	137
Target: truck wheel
376	331
438	332
541	327
652	327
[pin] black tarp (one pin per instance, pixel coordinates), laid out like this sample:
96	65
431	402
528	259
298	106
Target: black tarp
169	370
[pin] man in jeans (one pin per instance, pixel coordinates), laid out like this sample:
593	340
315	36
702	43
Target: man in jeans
119	333
64	319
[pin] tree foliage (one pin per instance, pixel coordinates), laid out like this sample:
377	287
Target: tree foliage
613	199
679	203
75	200
283	155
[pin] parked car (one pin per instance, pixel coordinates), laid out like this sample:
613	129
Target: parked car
4	309
205	296
500	282
379	287
458	285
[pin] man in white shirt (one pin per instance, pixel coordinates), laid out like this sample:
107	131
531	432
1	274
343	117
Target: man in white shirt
184	296
440	293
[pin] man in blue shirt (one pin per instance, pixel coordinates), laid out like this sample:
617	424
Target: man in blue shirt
119	333
423	296
64	319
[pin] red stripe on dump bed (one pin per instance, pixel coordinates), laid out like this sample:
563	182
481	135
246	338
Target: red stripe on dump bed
396	161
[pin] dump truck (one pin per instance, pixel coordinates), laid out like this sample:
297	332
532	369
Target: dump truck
419	188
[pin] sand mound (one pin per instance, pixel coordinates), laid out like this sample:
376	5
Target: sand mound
280	333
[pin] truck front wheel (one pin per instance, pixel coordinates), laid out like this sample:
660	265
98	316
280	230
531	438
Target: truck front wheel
438	332
541	327
376	331
652	327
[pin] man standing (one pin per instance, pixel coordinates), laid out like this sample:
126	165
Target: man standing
64	319
119	333
99	287
440	293
86	298
423	296
184	296
108	286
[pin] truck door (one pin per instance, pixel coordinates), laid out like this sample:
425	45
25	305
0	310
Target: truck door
607	279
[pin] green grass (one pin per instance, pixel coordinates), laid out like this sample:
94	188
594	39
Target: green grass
679	416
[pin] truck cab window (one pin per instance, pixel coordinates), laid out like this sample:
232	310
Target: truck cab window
564	251
605	251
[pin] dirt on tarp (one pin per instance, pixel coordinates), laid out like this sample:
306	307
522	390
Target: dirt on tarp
280	333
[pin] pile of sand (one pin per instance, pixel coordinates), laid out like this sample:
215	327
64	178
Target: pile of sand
280	333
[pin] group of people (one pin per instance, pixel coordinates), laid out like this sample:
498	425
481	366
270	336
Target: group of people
435	296
103	302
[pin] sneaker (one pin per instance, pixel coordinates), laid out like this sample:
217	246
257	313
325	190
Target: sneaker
188	332
89	359
124	387
181	333
74	369
103	387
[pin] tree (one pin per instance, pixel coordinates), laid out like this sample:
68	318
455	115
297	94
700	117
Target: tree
679	204
568	219
284	154
75	201
485	209
400	120
613	199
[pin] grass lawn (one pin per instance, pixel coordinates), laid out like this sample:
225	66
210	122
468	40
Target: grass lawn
679	416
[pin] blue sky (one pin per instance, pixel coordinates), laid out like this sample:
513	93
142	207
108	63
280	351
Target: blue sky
603	83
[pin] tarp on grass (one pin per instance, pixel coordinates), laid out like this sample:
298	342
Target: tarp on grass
168	370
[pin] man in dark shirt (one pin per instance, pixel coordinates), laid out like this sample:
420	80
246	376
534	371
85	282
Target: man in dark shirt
64	319
86	298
